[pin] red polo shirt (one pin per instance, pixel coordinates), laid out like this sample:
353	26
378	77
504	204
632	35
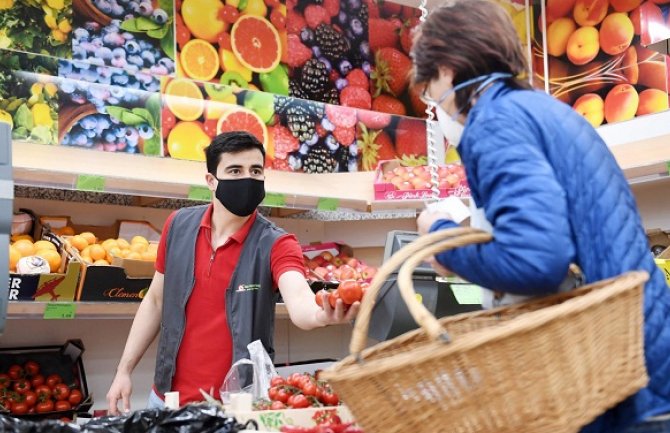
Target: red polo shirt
206	350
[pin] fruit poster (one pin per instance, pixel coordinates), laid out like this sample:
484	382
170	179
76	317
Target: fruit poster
136	35
597	62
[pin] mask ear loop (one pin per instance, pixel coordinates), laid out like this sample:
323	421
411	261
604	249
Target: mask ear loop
430	120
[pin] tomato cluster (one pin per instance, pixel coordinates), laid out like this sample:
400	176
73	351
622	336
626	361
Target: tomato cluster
299	391
349	291
24	390
327	421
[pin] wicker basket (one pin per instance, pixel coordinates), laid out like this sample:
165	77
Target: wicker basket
547	366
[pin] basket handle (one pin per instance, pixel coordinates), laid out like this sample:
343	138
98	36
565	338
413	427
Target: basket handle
411	256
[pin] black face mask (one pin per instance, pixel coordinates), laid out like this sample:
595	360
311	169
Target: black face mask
240	196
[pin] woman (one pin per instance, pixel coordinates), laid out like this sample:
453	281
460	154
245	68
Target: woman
543	181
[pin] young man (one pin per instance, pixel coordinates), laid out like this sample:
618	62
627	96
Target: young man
214	291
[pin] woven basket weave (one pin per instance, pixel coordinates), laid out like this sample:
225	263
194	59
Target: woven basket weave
550	365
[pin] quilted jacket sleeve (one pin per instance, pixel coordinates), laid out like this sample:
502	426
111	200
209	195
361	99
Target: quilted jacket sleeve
532	246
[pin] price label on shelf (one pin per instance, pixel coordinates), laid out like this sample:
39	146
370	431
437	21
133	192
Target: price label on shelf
202	193
60	310
273	199
328	204
667	164
89	182
467	294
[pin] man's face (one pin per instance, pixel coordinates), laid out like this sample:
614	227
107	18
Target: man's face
248	163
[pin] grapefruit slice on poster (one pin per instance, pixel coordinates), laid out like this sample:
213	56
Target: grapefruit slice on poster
243	119
256	43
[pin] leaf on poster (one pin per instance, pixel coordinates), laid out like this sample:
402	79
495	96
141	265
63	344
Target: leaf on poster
41	134
154	107
116	112
143	113
167	43
20	133
159	33
23	117
139	24
152	146
131	119
166	5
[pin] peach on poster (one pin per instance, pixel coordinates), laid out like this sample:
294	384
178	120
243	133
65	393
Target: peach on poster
616	33
558	34
583	45
590	12
652	101
592	107
621	103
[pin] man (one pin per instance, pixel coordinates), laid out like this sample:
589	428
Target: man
214	288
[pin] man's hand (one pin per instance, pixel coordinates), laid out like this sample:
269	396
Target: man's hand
427	218
334	316
121	389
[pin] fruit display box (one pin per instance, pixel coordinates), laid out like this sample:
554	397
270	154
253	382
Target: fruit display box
326	264
394	181
48	287
65	361
273	420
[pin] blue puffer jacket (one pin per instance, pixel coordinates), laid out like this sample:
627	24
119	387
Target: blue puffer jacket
555	195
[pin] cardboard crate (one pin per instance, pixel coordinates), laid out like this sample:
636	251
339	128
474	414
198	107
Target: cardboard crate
387	191
65	360
273	420
58	286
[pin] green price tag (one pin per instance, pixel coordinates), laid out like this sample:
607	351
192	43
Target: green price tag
274	200
328	204
60	310
467	294
201	193
88	182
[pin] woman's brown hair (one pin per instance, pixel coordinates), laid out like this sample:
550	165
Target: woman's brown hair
473	38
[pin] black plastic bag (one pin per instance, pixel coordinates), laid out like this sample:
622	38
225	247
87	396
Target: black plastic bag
15	425
200	418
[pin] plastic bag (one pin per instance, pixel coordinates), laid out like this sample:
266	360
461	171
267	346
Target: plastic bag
250	376
15	425
194	418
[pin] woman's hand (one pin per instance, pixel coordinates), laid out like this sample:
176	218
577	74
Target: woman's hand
427	218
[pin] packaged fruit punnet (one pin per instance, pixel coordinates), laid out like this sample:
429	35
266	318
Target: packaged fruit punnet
397	182
333	263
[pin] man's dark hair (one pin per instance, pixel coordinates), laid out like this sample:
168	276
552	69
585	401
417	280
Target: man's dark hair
230	142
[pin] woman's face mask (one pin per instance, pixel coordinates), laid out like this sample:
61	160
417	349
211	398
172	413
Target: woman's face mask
450	126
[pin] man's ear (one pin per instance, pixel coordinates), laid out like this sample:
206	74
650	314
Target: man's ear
211	182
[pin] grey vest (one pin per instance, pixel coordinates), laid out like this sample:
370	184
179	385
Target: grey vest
250	297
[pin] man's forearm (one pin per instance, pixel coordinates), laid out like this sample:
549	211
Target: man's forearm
142	333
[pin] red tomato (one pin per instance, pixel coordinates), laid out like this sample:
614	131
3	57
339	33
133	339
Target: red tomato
4	381
61	391
19	408
299	402
21	386
277	380
333	297
53	380
44	406
350	291
283	396
294	379
277	405
43	392
31	368
75	397
15	372
62	405
272	393
31	398
37	380
330	398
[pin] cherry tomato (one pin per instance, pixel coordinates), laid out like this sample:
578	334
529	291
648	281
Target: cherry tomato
299	402
277	405
309	388
62	405
15	372
283	396
75	397
330	398
4	381
272	393
31	398
21	386
61	391
350	291
294	379
31	368
37	380
19	408
53	380
44	406
43	392
277	380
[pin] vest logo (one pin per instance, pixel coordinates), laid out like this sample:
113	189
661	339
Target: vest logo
248	287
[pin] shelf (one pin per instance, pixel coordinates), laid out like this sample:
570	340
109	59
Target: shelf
43	166
94	310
